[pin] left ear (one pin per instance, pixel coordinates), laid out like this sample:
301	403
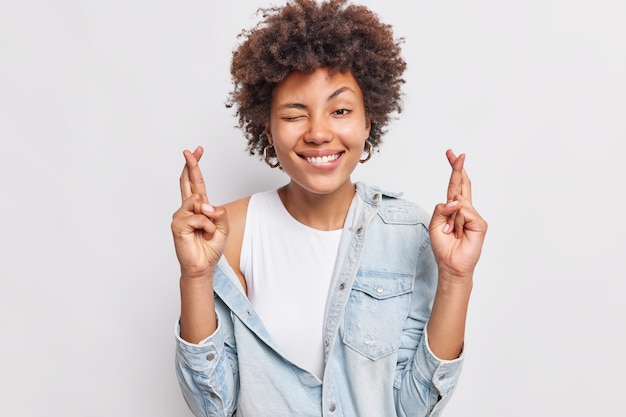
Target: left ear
368	127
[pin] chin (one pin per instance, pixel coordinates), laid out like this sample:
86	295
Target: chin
325	187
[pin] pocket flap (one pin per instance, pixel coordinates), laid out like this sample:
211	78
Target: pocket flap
382	285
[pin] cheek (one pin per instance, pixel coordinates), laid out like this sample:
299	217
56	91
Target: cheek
356	134
282	135
284	141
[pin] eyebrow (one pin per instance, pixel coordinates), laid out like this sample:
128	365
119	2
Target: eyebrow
339	91
304	106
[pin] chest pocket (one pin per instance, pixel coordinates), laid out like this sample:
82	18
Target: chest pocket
377	309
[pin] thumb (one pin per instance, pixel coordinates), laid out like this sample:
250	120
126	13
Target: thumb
218	216
443	216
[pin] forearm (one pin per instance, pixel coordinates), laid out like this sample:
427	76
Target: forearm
446	326
197	316
207	372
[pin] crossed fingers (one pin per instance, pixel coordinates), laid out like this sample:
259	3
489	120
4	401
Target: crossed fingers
459	194
191	179
195	203
460	183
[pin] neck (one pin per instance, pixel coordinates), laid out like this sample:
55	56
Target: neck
319	211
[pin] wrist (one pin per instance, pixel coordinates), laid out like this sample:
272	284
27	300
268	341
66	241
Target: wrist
192	274
455	283
196	280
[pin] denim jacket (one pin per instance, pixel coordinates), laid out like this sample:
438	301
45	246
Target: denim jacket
377	359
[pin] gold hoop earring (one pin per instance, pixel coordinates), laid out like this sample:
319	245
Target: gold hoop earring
368	149
271	160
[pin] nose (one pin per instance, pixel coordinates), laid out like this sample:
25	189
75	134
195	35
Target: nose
319	131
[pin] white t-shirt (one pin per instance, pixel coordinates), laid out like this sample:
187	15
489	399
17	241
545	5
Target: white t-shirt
288	267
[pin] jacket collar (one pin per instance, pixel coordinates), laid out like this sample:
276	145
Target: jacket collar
372	195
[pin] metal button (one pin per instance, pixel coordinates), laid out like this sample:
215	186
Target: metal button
380	289
359	230
210	357
332	408
248	312
342	286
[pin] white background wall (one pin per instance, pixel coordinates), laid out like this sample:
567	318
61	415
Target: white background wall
98	99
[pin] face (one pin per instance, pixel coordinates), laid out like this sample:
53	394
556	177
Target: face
318	127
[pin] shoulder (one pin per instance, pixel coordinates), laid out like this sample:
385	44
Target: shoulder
400	211
236	211
392	207
397	236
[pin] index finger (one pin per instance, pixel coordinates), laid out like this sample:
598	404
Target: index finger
191	179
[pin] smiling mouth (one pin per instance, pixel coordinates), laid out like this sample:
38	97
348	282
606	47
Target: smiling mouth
318	160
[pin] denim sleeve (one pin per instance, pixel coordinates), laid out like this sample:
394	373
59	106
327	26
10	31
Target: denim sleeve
207	374
423	383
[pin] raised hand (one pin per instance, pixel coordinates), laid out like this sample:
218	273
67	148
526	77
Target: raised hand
199	229
457	231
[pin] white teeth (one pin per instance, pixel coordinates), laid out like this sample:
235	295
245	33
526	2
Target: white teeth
322	159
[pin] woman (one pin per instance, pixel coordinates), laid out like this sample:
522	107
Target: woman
322	297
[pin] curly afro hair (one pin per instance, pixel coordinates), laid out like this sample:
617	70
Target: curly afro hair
304	35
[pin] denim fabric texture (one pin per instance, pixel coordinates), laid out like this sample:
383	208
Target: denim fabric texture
377	359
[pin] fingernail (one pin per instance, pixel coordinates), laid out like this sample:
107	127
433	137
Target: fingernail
446	228
452	203
208	208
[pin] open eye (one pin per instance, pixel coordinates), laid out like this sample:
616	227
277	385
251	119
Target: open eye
342	112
